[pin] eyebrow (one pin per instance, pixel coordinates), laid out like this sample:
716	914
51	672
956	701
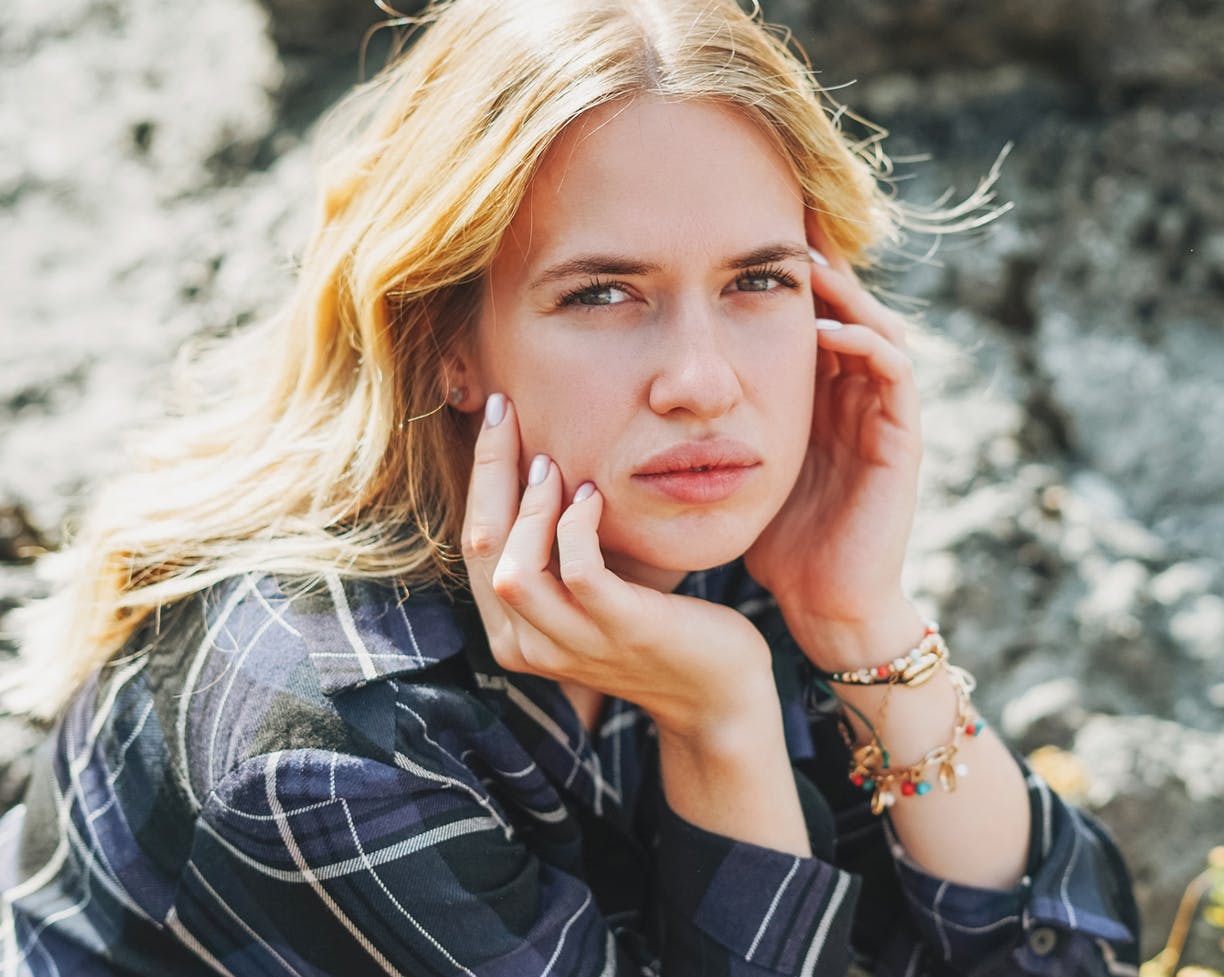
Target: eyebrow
615	264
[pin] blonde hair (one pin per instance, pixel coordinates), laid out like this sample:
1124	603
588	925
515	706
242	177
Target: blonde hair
318	441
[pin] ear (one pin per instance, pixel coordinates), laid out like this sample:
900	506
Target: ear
461	379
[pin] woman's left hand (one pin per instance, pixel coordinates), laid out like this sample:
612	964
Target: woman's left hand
832	556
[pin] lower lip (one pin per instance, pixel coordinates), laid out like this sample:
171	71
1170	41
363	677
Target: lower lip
712	485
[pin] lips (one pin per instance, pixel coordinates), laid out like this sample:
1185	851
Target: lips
697	472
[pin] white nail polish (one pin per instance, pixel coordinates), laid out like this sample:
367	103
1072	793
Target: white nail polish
585	491
495	410
819	258
827	325
539	470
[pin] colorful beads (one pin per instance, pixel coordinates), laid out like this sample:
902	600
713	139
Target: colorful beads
871	769
912	668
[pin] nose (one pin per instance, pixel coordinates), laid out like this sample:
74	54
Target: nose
695	372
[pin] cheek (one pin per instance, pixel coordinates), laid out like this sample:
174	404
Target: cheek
791	392
786	368
573	402
561	420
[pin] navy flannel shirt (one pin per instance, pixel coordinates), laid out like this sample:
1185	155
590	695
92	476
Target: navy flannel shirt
341	780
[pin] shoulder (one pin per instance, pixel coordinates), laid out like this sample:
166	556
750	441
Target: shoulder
263	663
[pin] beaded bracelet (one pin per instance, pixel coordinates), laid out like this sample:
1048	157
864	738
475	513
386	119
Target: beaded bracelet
912	668
871	769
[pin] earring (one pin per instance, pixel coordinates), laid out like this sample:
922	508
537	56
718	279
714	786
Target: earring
457	395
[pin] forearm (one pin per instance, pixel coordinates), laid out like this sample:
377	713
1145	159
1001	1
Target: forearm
976	834
734	778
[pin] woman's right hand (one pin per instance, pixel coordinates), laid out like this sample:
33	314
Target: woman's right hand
700	670
567	617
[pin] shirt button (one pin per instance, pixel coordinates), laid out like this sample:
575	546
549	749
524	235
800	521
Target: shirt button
1042	941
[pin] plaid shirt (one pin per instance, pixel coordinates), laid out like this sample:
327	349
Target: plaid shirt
341	780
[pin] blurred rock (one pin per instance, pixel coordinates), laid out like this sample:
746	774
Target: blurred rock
18	740
323	26
1115	48
1046	714
1200	627
20	541
125	229
1160	788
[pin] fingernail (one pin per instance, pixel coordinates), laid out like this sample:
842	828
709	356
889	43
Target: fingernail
585	491
828	325
495	409
819	258
539	470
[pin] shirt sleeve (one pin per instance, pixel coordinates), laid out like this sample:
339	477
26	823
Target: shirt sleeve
1073	913
768	911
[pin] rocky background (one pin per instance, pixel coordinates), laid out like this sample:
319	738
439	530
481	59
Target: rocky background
155	180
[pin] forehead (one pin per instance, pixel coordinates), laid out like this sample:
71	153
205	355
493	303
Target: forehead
660	175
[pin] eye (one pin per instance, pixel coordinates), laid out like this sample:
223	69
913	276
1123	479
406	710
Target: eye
596	293
765	280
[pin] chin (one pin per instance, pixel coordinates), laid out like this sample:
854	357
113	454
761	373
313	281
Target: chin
688	549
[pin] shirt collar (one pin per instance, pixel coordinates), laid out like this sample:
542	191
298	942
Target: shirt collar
362	631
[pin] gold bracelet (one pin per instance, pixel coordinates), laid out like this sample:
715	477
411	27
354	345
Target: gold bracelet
912	668
871	768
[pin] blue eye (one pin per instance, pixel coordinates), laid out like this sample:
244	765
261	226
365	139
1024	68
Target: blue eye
756	283
595	294
765	280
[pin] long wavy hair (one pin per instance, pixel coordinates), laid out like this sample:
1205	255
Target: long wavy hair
319	441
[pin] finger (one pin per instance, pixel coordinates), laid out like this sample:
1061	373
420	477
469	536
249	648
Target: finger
600	592
839	293
491	504
528	550
890	368
493	491
828	363
523	579
845	299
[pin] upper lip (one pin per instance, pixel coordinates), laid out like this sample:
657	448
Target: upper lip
697	455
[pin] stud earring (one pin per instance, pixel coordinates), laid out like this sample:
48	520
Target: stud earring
457	396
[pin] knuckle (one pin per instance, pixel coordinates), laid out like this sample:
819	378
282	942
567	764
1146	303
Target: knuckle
509	585
509	657
479	543
578	577
537	502
538	656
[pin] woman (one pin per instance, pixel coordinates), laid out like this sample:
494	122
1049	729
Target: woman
606	250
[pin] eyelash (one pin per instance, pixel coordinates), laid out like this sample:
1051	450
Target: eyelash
593	284
596	284
783	277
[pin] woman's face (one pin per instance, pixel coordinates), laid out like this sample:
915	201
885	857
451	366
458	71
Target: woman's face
650	315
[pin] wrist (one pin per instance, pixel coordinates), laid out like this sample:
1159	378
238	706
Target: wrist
840	644
725	715
733	777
